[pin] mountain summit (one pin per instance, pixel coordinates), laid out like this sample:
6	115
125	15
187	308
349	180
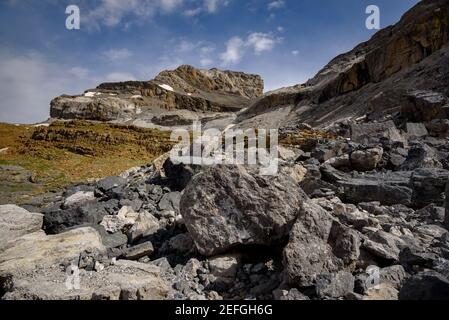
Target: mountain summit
176	96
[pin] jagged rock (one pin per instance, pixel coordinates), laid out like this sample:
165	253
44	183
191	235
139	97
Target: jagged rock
424	106
345	243
412	257
420	155
111	186
334	285
431	214
126	217
416	130
145	225
179	173
367	133
439	128
227	206
125	280
224	268
342	162
366	160
182	243
16	222
387	188
428	186
394	275
289	295
78	198
139	251
57	220
311	230
325	152
428	285
39	249
170	202
384	245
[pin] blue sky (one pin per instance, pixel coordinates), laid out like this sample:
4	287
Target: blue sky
285	41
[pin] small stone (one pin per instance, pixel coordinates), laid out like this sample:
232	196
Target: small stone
139	251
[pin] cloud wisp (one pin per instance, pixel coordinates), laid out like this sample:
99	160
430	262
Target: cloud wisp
258	42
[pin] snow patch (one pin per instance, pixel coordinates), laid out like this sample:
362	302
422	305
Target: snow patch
166	87
137	96
92	94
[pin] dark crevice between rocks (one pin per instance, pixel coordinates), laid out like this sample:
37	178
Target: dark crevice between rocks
6	284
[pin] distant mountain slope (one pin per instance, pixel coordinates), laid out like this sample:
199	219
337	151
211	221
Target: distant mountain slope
410	55
187	89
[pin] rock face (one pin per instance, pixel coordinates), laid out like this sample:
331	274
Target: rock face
224	207
16	222
308	254
125	280
425	286
39	249
366	160
190	90
373	79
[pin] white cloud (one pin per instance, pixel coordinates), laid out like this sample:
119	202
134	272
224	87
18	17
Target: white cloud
277	4
259	42
235	49
170	5
193	12
208	6
200	51
295	53
111	13
117	54
212	6
262	42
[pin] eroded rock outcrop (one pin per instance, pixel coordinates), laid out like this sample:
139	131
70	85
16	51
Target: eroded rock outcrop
191	90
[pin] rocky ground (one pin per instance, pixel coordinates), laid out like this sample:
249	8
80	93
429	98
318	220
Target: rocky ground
358	211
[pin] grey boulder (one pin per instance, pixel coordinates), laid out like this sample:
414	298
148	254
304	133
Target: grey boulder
229	206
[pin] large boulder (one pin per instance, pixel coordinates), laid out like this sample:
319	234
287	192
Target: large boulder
388	188
429	186
16	222
124	280
428	285
228	206
45	250
366	133
57	220
366	160
319	245
424	105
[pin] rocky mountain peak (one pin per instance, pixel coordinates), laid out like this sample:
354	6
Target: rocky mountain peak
180	95
191	79
372	78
